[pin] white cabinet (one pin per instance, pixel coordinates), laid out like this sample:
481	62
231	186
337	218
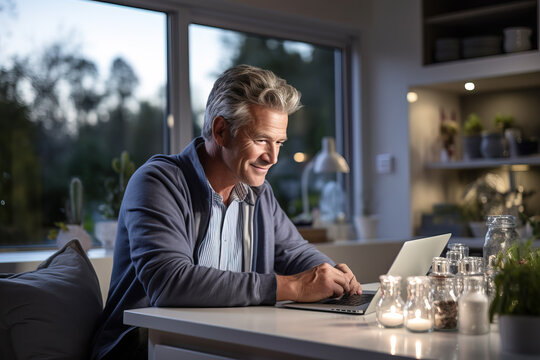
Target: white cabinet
465	21
506	83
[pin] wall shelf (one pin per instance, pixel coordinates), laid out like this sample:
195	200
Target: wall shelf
533	160
485	13
466	19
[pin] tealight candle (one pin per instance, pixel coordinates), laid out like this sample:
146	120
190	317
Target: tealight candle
391	319
419	324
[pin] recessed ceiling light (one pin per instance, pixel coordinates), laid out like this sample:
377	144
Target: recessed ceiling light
469	86
412	96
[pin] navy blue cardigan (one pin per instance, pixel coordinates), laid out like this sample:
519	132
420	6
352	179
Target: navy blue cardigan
163	218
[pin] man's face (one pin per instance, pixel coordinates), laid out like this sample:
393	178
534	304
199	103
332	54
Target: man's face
255	148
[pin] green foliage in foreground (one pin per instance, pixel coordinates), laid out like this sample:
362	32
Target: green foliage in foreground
517	282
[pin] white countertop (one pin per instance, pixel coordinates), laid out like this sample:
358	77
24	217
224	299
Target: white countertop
316	334
313	334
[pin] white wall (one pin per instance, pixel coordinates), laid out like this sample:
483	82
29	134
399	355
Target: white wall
347	13
391	56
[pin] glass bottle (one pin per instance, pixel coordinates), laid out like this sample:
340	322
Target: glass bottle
473	307
389	308
468	266
445	306
418	311
453	257
461	248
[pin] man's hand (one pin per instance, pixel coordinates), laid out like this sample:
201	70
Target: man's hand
318	283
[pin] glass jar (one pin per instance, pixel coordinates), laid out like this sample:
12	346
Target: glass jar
500	235
389	308
468	266
418	311
444	299
473	307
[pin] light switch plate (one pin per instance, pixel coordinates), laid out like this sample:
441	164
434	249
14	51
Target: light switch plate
384	163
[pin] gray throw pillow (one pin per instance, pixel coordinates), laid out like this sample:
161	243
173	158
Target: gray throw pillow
52	312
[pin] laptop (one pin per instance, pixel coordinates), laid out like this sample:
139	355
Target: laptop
414	259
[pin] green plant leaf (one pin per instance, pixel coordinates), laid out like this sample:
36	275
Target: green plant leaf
517	281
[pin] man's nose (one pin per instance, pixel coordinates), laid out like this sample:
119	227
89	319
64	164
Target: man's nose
273	152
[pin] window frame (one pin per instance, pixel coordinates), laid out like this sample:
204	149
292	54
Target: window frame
238	17
36	251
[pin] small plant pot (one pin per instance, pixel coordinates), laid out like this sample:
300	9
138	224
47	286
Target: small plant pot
74	232
520	334
492	145
471	147
105	232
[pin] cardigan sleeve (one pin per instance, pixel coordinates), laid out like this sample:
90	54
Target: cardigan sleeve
293	254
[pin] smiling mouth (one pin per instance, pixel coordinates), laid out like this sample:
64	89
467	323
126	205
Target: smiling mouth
261	169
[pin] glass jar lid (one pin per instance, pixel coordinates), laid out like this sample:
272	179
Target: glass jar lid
502	221
440	265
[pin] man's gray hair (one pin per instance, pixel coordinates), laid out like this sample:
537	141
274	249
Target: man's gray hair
244	85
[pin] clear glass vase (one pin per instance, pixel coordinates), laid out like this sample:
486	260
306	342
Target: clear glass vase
418	309
389	308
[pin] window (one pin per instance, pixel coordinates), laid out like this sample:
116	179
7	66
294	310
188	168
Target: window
309	68
80	82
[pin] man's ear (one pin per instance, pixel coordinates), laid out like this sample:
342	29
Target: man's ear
220	130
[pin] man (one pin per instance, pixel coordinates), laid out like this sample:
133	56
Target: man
203	228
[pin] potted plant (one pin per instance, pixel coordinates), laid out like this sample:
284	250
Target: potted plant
448	130
105	230
472	130
481	198
493	143
72	228
503	122
512	134
517	298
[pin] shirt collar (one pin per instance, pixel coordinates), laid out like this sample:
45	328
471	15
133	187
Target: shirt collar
239	192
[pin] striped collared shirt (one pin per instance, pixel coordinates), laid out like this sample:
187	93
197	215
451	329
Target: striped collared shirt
221	247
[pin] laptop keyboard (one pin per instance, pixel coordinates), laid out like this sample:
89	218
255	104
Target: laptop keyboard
351	300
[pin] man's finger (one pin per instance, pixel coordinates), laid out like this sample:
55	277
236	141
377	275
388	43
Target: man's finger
355	286
340	278
344	268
